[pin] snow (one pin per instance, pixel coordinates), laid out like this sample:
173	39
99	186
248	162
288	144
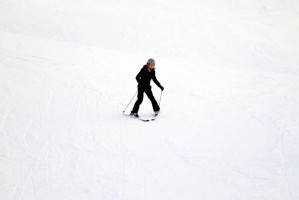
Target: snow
229	123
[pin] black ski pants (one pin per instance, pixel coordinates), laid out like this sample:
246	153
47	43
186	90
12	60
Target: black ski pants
148	91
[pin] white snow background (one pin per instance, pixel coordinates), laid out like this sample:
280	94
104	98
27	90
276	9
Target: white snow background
229	123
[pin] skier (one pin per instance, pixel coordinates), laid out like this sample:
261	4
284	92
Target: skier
144	77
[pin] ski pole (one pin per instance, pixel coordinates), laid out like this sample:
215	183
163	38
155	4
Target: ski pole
160	98
130	101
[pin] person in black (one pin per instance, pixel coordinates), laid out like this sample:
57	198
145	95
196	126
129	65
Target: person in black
144	77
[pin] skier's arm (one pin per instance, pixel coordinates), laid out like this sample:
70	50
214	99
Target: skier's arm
157	82
139	75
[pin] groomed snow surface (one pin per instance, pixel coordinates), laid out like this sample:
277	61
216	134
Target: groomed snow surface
229	123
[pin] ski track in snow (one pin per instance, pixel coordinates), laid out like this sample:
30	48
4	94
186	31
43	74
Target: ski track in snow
229	117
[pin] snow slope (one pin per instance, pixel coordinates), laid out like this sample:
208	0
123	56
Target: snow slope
229	119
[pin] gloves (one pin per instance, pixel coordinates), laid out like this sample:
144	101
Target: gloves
162	88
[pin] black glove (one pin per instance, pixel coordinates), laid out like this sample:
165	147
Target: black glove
162	88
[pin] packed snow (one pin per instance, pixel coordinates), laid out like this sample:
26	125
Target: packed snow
229	122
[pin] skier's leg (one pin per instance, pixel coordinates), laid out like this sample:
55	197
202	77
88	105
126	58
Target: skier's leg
150	95
139	100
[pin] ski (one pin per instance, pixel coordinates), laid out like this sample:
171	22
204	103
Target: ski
144	120
155	117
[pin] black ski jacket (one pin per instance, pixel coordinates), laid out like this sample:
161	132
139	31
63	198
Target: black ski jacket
144	78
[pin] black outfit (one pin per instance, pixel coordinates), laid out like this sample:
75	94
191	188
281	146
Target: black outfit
144	78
